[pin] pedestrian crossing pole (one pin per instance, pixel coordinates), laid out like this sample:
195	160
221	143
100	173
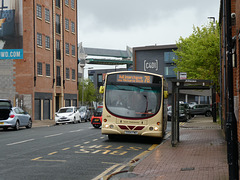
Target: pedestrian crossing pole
231	124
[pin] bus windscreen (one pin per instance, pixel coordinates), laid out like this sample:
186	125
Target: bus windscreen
133	96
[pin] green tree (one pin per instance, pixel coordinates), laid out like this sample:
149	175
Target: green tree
198	54
87	92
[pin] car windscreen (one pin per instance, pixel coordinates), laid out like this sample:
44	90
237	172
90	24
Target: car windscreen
65	110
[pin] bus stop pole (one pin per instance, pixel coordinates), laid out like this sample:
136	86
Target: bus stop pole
177	114
173	117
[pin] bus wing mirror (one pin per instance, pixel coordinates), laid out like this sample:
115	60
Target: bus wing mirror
165	94
101	89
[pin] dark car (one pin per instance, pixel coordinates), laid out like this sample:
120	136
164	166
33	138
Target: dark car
183	114
85	113
13	117
201	109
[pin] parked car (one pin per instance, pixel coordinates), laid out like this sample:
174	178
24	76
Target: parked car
85	113
191	104
96	119
13	117
201	109
67	115
183	115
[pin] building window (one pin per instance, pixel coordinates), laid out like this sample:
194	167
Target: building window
67	73
47	69
39	39
169	56
73	50
47	42
66	24
73	27
58	50
47	15
67	2
169	71
39	11
72	4
39	68
58	76
67	48
58	3
58	28
73	74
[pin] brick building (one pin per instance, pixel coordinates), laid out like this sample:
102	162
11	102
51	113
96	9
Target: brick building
225	71
46	78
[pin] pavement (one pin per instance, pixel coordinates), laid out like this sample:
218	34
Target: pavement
43	123
200	154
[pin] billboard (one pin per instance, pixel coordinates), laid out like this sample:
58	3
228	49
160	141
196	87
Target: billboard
11	29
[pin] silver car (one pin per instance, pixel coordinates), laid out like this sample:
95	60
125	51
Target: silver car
13	117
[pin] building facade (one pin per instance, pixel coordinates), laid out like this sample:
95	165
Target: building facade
46	78
234	69
159	60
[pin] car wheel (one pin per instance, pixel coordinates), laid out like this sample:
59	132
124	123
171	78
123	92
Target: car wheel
208	114
96	125
74	121
29	124
16	127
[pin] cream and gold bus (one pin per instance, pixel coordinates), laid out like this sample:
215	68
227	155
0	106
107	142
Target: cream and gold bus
134	103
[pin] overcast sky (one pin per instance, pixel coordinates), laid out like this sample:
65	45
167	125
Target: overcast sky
115	24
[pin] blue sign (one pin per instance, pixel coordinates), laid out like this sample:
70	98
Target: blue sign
11	53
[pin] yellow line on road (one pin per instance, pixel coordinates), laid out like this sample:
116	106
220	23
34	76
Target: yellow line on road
95	139
52	153
86	142
36	159
105	172
65	149
77	145
48	160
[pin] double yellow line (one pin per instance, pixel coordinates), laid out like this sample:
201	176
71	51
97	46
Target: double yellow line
104	175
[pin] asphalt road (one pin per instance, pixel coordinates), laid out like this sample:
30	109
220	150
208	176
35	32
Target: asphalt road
72	151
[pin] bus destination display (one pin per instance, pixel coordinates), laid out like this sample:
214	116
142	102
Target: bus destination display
134	78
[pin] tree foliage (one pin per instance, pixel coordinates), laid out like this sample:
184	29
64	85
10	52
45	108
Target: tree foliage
198	54
87	92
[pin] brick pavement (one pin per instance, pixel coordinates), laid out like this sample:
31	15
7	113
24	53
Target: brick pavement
200	154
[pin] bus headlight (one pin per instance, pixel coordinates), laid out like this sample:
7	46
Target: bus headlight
153	128
106	125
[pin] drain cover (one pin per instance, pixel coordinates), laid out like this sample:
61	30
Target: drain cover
188	169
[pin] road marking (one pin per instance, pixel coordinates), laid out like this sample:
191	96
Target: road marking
77	145
95	139
53	135
105	172
65	149
35	159
86	142
19	142
102	137
76	130
52	153
47	160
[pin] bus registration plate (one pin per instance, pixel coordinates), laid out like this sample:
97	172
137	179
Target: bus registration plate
131	132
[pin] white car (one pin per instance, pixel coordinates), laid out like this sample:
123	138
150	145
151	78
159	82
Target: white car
67	115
